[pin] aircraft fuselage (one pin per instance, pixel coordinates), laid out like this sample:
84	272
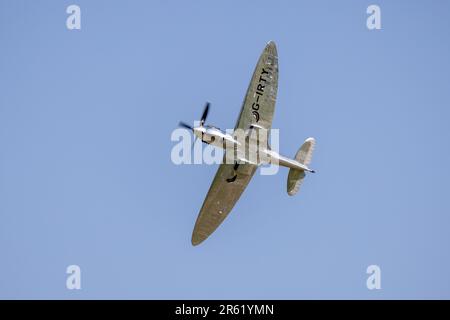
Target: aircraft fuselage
216	137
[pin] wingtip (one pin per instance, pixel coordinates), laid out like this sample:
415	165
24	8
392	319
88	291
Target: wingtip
271	47
195	240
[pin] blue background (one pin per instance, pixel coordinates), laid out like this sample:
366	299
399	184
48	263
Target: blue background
86	176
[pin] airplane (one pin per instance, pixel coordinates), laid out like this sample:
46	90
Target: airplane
231	179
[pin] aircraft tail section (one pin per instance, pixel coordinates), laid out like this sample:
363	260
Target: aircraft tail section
304	156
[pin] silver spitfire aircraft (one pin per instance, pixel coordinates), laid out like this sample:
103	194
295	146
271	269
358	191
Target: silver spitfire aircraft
232	178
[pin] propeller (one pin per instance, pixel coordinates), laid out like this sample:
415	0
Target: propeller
205	114
202	121
185	125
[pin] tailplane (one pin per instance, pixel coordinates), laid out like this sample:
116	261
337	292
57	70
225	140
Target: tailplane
304	156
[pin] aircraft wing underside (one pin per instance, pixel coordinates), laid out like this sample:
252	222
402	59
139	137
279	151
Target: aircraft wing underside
230	181
259	101
221	198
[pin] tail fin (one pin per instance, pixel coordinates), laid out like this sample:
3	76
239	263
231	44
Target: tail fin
304	156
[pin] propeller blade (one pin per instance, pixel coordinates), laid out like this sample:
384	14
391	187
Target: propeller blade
205	114
185	125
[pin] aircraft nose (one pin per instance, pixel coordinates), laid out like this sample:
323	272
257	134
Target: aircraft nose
198	131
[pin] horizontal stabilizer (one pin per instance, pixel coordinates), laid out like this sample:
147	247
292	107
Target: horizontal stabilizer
304	156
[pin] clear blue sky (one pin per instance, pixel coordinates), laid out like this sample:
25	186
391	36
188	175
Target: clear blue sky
85	170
